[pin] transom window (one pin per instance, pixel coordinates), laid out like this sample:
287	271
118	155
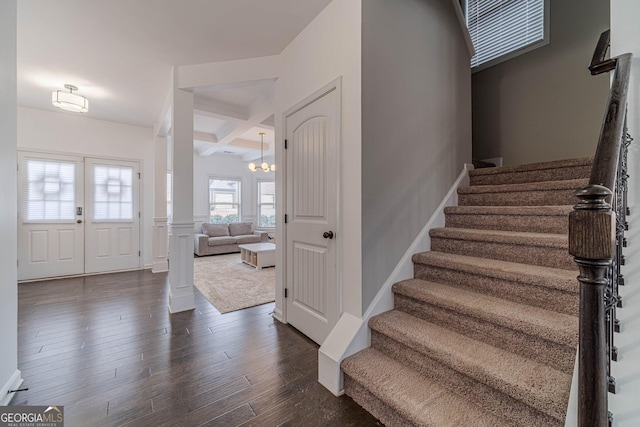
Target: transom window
502	29
50	190
267	203
224	200
113	192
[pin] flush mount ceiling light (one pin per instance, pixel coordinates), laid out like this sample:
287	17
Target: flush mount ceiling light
263	165
70	101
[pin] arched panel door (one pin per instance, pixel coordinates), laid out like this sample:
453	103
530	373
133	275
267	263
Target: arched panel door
312	193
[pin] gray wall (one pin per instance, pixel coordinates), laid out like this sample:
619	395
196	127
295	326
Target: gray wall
8	249
416	124
545	105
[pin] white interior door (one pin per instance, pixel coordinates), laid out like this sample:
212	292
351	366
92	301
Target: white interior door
112	225
50	229
311	207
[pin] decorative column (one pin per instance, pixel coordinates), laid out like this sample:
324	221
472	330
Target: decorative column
181	242
160	262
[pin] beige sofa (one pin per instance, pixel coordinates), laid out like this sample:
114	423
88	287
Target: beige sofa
225	238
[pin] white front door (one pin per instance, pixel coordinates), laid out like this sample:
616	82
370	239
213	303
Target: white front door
112	220
76	215
312	135
50	228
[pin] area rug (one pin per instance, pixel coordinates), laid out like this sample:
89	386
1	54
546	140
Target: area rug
231	285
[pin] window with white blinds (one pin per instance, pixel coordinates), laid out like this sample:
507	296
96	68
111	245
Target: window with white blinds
113	193
266	203
49	190
224	200
502	27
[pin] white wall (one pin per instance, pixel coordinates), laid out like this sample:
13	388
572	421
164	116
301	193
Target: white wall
625	37
329	47
71	133
9	374
225	166
416	125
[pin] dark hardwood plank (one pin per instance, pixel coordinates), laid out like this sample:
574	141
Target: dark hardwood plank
107	349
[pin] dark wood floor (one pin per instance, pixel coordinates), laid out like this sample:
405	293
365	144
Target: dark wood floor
107	349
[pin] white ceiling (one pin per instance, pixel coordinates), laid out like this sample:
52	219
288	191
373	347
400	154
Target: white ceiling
119	53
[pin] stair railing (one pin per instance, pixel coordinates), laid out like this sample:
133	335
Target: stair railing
596	240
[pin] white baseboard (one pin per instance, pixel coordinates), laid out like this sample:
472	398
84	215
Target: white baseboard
13	383
351	334
181	303
160	266
277	314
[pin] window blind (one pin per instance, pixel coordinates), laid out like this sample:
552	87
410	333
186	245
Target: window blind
112	192
49	190
499	27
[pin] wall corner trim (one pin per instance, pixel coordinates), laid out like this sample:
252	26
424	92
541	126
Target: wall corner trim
351	334
13	383
463	27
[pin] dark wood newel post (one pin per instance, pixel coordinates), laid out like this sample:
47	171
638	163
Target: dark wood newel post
592	243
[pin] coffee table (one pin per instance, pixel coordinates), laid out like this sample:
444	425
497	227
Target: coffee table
258	255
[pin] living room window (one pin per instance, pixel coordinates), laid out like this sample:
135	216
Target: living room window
503	29
224	200
267	204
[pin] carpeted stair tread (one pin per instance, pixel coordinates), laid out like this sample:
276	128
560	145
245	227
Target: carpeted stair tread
533	172
526	274
539	219
416	399
521	238
567	184
536	384
526	194
534	321
558	210
546	249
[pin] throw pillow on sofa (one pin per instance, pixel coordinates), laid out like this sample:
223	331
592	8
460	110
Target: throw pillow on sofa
240	229
215	230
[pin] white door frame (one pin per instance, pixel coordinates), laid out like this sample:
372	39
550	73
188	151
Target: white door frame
335	85
33	151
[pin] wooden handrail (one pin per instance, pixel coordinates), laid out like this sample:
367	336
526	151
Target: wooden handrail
605	163
594	242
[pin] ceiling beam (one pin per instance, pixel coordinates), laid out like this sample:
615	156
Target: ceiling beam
204	137
259	111
216	73
220	110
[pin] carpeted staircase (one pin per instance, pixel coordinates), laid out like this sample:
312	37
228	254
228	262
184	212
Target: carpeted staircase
485	334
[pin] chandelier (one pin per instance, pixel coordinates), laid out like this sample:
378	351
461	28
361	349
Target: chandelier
263	165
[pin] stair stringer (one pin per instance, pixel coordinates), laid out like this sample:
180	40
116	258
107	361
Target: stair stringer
351	334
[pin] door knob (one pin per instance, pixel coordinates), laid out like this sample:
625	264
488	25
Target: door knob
328	234
79	221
